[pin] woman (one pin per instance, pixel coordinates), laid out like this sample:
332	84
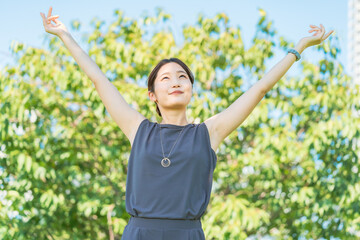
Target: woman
171	164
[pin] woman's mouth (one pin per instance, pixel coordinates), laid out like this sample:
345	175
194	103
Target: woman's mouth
176	92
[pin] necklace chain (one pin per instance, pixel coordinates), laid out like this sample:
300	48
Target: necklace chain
165	162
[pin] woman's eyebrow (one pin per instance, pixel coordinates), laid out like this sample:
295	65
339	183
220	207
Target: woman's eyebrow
176	71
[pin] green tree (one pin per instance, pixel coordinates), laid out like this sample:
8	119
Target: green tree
63	160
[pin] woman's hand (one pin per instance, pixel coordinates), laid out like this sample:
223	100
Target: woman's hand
318	37
57	29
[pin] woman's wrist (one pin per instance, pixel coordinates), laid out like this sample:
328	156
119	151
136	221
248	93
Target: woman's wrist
300	47
63	35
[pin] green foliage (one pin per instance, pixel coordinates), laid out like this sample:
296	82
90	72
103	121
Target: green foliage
64	160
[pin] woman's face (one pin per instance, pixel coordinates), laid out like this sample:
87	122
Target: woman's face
172	77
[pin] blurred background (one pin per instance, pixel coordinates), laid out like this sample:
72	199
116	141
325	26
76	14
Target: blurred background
289	171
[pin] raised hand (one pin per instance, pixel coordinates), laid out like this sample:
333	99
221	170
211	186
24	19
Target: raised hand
57	29
318	37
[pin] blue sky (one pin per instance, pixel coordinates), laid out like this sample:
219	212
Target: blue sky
21	21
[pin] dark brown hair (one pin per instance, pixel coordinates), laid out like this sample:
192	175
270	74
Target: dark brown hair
154	72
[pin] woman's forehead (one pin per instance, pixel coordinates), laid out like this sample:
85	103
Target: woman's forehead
170	68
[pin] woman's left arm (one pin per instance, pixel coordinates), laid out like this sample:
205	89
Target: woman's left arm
278	71
223	123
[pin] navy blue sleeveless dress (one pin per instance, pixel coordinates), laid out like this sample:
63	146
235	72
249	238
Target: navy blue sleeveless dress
168	202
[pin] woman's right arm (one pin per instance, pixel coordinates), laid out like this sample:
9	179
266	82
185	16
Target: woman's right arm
121	112
86	64
127	118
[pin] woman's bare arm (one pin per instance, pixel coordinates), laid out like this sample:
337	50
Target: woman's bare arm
223	123
127	118
86	64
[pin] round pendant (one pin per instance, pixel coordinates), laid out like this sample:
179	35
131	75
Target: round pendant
165	162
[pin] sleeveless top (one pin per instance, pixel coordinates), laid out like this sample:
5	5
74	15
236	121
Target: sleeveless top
179	191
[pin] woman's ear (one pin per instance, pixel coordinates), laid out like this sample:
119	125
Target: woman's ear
152	96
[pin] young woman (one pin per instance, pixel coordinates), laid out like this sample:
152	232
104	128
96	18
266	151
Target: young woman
171	164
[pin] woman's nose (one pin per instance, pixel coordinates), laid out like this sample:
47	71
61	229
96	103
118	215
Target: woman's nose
176	82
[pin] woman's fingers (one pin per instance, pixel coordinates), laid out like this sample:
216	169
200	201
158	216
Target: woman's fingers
55	16
57	22
49	13
322	30
318	36
314	30
43	17
47	20
328	34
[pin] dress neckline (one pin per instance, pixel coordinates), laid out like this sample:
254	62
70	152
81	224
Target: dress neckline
168	125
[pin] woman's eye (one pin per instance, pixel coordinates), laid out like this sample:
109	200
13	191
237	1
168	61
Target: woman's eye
180	76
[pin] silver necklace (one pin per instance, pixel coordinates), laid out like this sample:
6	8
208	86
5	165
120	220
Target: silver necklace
165	162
